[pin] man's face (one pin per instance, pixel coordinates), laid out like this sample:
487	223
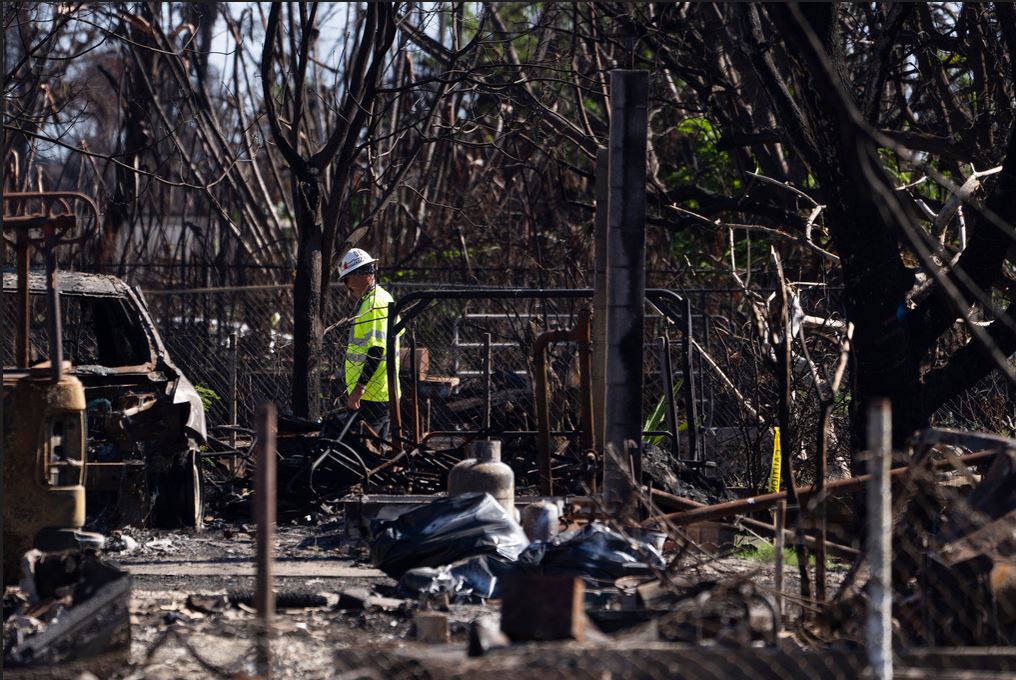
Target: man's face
357	283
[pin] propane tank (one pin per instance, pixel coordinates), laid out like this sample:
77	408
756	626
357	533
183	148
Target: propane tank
541	520
486	473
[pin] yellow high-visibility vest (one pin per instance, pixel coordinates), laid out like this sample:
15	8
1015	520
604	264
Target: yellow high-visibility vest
370	329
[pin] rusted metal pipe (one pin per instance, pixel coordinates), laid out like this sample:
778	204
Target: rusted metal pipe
581	335
542	396
264	595
766	501
51	223
670	501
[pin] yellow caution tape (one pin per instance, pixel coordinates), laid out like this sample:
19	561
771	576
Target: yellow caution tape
774	471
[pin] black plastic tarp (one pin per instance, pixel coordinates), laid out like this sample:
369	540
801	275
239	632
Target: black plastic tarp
444	532
594	552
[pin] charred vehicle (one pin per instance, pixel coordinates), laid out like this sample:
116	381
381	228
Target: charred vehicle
145	421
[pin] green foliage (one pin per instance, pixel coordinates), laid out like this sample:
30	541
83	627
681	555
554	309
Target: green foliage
659	415
711	167
208	395
760	550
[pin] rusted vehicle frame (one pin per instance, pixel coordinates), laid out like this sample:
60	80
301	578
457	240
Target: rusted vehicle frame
158	476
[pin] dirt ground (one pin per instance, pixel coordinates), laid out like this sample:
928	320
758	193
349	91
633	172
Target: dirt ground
172	639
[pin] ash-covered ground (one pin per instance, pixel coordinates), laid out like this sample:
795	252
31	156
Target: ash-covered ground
183	625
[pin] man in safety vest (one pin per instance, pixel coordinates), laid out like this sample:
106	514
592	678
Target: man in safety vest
366	364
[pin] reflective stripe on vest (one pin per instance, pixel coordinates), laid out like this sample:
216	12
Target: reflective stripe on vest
370	329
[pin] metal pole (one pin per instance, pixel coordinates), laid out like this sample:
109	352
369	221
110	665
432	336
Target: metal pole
234	355
626	274
264	495
486	383
599	333
542	398
55	323
821	472
668	393
688	367
414	370
583	337
3	261
23	259
878	630
392	351
781	511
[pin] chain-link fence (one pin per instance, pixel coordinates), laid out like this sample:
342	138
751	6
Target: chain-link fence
237	345
735	389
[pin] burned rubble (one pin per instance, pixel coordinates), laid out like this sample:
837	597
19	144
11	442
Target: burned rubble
530	505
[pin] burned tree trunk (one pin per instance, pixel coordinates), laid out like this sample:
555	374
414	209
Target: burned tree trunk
307	302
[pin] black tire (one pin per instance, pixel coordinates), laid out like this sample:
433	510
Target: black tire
180	494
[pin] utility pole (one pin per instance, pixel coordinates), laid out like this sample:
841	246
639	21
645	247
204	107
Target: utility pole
626	285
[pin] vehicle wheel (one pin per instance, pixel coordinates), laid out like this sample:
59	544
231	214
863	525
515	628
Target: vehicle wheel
180	494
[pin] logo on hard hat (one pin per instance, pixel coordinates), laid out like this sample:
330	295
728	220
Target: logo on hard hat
353	260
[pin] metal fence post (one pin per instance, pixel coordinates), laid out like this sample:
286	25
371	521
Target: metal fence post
779	542
486	383
688	367
414	390
264	491
234	351
668	394
878	629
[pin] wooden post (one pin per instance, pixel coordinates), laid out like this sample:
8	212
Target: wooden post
264	496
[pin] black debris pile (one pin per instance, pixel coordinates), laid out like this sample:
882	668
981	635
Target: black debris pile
69	607
698	482
445	531
466	546
595	552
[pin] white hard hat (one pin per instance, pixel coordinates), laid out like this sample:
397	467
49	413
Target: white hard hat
353	260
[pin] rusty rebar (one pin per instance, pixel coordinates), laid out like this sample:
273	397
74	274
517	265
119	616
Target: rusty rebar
667	500
766	501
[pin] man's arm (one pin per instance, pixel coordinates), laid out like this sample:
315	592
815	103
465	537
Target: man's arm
374	356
